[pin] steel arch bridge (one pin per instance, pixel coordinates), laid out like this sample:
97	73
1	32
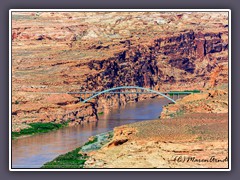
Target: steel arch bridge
150	91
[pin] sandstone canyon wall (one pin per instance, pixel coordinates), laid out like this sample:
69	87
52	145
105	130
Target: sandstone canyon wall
92	51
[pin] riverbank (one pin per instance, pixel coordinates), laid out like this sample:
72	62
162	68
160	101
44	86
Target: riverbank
192	141
193	133
38	128
82	52
77	157
188	135
34	151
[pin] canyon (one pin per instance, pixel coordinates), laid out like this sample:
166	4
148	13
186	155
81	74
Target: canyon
55	54
59	52
192	133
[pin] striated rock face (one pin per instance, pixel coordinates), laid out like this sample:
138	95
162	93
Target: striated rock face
145	65
50	108
88	51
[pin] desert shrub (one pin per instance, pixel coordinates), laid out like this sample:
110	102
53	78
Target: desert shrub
38	128
71	160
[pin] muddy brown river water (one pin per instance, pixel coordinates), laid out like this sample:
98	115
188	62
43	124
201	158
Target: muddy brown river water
34	151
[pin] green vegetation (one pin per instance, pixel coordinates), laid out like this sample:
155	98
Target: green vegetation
101	113
95	139
76	160
37	128
16	102
110	134
178	113
72	159
201	130
199	138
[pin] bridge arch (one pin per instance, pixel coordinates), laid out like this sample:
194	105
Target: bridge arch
128	87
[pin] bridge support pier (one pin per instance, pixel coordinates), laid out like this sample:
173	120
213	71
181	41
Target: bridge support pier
119	102
137	95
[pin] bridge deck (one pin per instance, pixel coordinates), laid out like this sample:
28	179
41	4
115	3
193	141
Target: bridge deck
138	90
128	92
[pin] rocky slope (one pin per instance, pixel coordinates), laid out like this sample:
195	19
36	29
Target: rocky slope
92	51
195	136
209	101
196	140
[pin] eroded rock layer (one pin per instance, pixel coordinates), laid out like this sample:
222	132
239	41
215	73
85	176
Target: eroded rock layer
92	51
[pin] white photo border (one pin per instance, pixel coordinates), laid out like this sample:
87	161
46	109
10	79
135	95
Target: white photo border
121	10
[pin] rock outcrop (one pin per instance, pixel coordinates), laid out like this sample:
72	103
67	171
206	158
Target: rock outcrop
88	51
198	140
209	101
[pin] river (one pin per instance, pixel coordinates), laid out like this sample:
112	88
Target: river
34	151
